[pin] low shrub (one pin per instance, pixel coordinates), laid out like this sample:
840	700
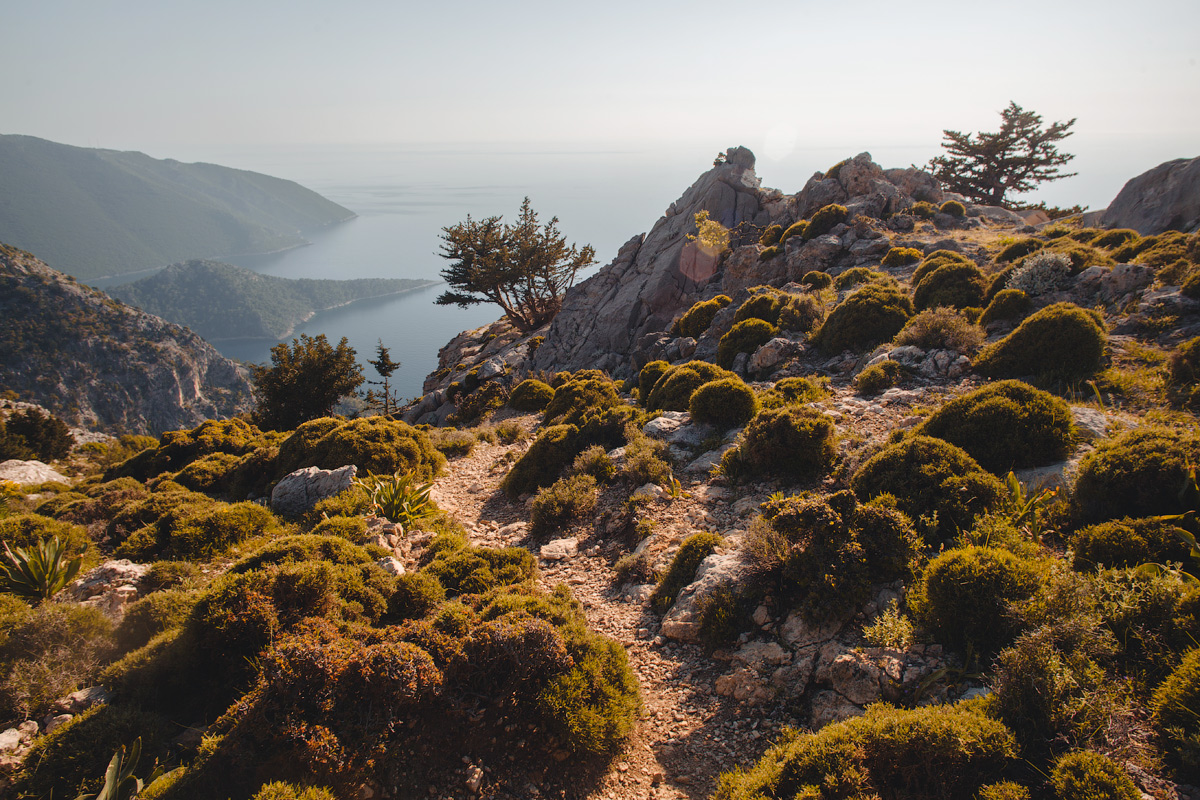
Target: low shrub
1084	775
725	403
648	376
771	235
1174	706
953	208
878	378
871	314
28	530
29	434
635	568
795	229
170	575
1139	473
673	390
551	452
798	391
1019	249
594	461
824	220
937	751
1183	372
581	397
922	209
769	252
594	704
956	285
1191	286
417	595
1078	256
938	485
176	449
1062	341
195	531
1007	304
940	329
938	258
476	570
209	474
376	445
796	440
764	303
695	320
963	597
561	502
351	529
817	280
531	395
1128	543
890	629
453	442
901	256
856	275
1114	238
280	790
644	460
1003	790
744	337
801	313
1153	614
682	571
1005	426
153	614
1040	274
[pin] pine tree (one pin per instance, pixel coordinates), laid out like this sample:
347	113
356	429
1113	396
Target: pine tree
986	166
305	381
385	401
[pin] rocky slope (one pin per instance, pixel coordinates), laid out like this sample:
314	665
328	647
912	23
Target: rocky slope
98	363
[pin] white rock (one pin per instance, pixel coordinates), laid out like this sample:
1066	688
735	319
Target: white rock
759	655
1090	423
559	549
704	464
650	490
797	632
666	423
29	473
391	565
58	719
10	740
304	488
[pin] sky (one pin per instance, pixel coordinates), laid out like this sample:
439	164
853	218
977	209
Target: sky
799	82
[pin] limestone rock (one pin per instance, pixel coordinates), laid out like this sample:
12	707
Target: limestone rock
29	473
1166	198
797	632
304	488
719	570
746	686
391	565
559	549
1090	423
82	700
774	353
828	706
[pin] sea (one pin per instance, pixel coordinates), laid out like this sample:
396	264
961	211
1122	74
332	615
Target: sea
404	195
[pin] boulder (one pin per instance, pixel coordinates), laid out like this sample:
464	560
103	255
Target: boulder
29	473
304	488
559	549
719	570
774	353
798	632
1166	198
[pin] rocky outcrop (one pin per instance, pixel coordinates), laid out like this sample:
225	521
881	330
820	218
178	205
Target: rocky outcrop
299	491
97	363
1166	198
29	473
111	587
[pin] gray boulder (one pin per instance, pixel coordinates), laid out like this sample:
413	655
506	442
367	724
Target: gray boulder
304	488
1166	198
29	473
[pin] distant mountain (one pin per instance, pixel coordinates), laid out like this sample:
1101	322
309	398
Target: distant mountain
98	363
104	212
221	301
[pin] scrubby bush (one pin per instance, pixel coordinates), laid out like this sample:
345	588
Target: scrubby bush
801	313
798	391
1175	704
562	501
938	485
940	329
923	209
1040	274
1019	249
594	461
695	320
29	530
1084	775
682	571
280	790
648	376
376	445
764	303
826	218
769	252
531	395
29	434
476	570
1183	372
1191	286
644	460
553	449
209	474
938	258
153	614
901	256
1005	426
579	398
871	314
417	595
955	285
963	596
878	377
1078	256
1062	341
1003	790
1128	543
1114	238
1139	473
823	555
673	390
856	275
170	575
744	337
176	449
796	440
1153	614
1007	304
771	235
725	403
194	531
953	208
795	229
817	280
937	751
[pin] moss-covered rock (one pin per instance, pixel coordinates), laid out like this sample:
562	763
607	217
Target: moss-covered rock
1062	341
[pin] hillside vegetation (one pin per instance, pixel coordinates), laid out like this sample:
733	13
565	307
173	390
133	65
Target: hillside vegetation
93	213
221	301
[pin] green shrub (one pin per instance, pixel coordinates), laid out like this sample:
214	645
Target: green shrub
682	571
725	403
792	439
1007	304
1139	473
695	320
953	208
879	377
856	275
196	530
798	391
1128	543
476	570
771	235
594	461
594	704
764	303
964	595
1114	238
579	397
531	395
1078	256
901	256
302	548
176	449
1061	341
938	258
940	329
938	485
376	445
922	209
801	313
769	252
209	474
353	502
673	390
551	452
351	529
1004	790
153	614
561	502
417	595
73	757
1040	273
869	315
1005	426
279	790
1084	775
1175	705
29	434
644	462
170	575
27	531
795	229
824	554
817	280
744	337
452	442
1191	286
936	752
1154	615
825	220
955	285
1019	249
1183	372
647	377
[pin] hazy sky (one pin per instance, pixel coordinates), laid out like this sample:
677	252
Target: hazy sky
185	78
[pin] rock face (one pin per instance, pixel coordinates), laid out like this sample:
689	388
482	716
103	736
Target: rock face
1166	198
95	362
29	473
304	488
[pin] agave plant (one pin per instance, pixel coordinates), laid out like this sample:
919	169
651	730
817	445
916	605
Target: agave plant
400	497
39	572
119	781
